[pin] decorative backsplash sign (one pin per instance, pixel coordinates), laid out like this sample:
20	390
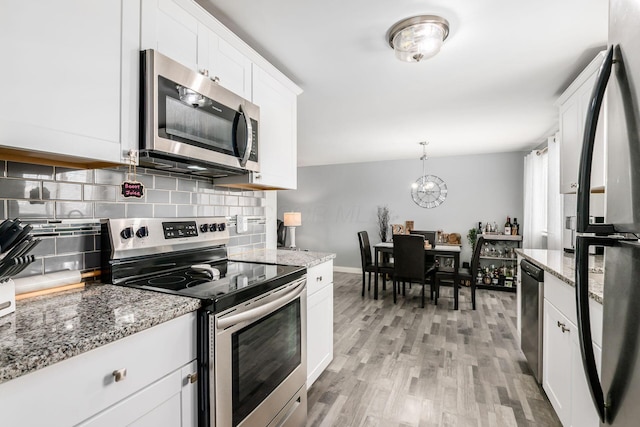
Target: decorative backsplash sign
131	187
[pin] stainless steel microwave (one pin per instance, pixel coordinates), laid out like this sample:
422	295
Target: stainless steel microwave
190	124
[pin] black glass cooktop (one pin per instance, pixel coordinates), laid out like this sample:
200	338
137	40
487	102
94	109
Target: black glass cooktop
220	285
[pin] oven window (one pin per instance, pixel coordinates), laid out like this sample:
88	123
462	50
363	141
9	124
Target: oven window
264	354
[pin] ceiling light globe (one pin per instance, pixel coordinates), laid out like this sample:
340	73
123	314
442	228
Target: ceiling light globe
419	37
418	42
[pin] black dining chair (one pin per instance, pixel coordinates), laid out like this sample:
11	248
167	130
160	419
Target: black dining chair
410	263
431	237
445	274
281	234
368	266
428	235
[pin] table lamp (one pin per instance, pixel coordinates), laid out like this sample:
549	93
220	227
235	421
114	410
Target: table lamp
291	221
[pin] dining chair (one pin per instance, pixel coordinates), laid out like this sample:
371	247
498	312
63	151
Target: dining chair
281	233
431	237
368	266
428	235
464	274
409	263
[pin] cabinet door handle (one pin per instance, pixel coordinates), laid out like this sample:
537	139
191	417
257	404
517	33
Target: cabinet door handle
563	327
319	279
120	374
192	377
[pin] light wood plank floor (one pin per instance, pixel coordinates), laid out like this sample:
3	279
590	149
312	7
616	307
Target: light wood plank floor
402	365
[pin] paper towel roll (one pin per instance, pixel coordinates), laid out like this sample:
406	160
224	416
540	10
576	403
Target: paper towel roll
47	281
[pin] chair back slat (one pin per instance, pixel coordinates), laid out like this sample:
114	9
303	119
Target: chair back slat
428	235
475	259
408	257
365	249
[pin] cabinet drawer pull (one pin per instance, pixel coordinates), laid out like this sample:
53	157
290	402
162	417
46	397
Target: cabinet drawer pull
120	374
563	327
319	279
192	377
574	185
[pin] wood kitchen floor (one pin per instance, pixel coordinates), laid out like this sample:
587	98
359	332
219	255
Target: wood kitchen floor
402	365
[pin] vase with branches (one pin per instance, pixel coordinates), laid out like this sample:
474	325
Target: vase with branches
383	222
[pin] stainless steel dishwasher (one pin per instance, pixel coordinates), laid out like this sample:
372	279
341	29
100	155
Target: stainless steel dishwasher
531	304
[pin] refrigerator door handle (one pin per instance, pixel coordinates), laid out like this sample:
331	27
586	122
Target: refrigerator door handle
584	319
586	155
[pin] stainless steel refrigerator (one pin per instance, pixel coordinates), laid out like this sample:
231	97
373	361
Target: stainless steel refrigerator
617	395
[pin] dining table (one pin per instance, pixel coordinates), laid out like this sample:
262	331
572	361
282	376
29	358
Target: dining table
452	251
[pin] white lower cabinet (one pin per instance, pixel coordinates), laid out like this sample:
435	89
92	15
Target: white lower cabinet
319	320
154	387
169	402
564	380
557	359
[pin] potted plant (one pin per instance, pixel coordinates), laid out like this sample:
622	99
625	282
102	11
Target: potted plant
383	222
472	237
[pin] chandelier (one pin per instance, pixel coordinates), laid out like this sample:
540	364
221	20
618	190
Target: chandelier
429	191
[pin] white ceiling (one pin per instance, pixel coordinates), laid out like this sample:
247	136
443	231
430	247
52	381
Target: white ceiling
490	89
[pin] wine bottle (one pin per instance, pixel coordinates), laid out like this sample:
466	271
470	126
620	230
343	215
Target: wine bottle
515	227
507	227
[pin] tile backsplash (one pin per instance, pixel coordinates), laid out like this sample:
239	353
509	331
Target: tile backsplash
65	206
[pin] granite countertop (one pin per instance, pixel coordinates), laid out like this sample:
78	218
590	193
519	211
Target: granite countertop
561	265
48	329
284	256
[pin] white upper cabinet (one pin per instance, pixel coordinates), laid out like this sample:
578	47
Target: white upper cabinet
69	80
184	31
223	62
573	106
170	30
277	131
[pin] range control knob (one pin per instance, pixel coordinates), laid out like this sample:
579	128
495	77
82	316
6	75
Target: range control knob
127	233
142	231
204	228
213	227
222	226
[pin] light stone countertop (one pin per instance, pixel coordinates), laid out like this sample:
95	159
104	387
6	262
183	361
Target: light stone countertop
562	265
48	329
284	256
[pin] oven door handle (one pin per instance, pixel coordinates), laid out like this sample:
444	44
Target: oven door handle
255	313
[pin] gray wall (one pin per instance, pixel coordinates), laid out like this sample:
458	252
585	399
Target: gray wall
45	195
337	201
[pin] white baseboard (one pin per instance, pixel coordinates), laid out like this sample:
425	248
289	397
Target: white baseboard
347	269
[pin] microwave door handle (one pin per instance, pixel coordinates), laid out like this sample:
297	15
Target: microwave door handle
249	146
586	156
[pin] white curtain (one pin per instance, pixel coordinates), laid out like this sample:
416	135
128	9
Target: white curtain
535	200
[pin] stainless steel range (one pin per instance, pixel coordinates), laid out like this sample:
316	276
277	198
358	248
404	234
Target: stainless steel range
252	324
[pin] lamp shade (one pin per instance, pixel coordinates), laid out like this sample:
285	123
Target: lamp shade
292	219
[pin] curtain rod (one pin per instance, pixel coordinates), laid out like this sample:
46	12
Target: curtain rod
542	151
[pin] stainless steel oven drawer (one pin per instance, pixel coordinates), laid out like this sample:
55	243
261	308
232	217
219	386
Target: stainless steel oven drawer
294	414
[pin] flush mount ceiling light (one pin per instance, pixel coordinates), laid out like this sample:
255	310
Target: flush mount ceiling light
419	37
